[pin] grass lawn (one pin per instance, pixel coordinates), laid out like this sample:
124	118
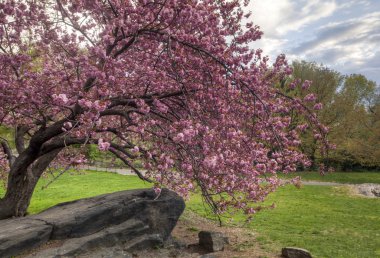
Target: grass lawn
339	177
326	220
79	185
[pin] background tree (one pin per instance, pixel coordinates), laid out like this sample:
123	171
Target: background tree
324	83
170	82
349	110
354	133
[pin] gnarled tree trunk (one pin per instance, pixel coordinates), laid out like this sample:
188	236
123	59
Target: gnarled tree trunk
23	177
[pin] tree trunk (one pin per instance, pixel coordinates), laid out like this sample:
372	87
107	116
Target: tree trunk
23	178
17	198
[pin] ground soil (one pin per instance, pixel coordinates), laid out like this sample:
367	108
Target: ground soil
243	243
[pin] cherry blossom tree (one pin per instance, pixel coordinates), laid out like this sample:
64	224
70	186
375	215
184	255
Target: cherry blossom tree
173	83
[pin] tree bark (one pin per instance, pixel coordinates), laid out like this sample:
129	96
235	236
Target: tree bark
22	181
17	197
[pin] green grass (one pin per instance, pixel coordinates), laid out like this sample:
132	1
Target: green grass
339	177
326	220
79	185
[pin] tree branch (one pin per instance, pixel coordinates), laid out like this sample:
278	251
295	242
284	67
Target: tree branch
126	162
8	151
19	138
43	162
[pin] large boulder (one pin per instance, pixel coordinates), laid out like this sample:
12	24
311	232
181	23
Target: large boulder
22	234
135	218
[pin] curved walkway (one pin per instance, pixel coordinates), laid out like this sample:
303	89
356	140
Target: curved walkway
121	171
369	190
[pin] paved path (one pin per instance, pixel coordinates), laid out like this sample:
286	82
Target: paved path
121	171
370	190
322	183
126	171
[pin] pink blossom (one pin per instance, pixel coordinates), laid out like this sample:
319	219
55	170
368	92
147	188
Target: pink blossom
306	84
157	190
67	126
310	97
302	127
261	167
103	146
135	149
160	106
318	106
210	161
85	103
179	137
60	99
98	106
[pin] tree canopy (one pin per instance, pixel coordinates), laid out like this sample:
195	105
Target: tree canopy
174	83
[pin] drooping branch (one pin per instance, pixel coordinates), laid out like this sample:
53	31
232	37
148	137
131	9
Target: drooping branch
126	162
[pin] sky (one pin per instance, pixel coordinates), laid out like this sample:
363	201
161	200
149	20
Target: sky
343	35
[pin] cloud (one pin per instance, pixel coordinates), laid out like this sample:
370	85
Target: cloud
278	17
350	4
353	41
342	34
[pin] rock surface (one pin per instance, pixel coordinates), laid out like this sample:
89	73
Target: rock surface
133	219
295	252
21	234
371	190
212	241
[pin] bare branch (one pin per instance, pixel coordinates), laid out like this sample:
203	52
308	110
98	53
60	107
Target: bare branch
19	138
126	162
125	47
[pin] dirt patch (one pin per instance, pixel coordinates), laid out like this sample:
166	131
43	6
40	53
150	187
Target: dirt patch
243	243
184	244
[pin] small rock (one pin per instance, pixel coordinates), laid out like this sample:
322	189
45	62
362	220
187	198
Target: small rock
376	191
207	256
295	252
371	190
212	241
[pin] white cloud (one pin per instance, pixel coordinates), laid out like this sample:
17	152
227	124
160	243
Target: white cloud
350	42
270	14
342	34
349	4
278	17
